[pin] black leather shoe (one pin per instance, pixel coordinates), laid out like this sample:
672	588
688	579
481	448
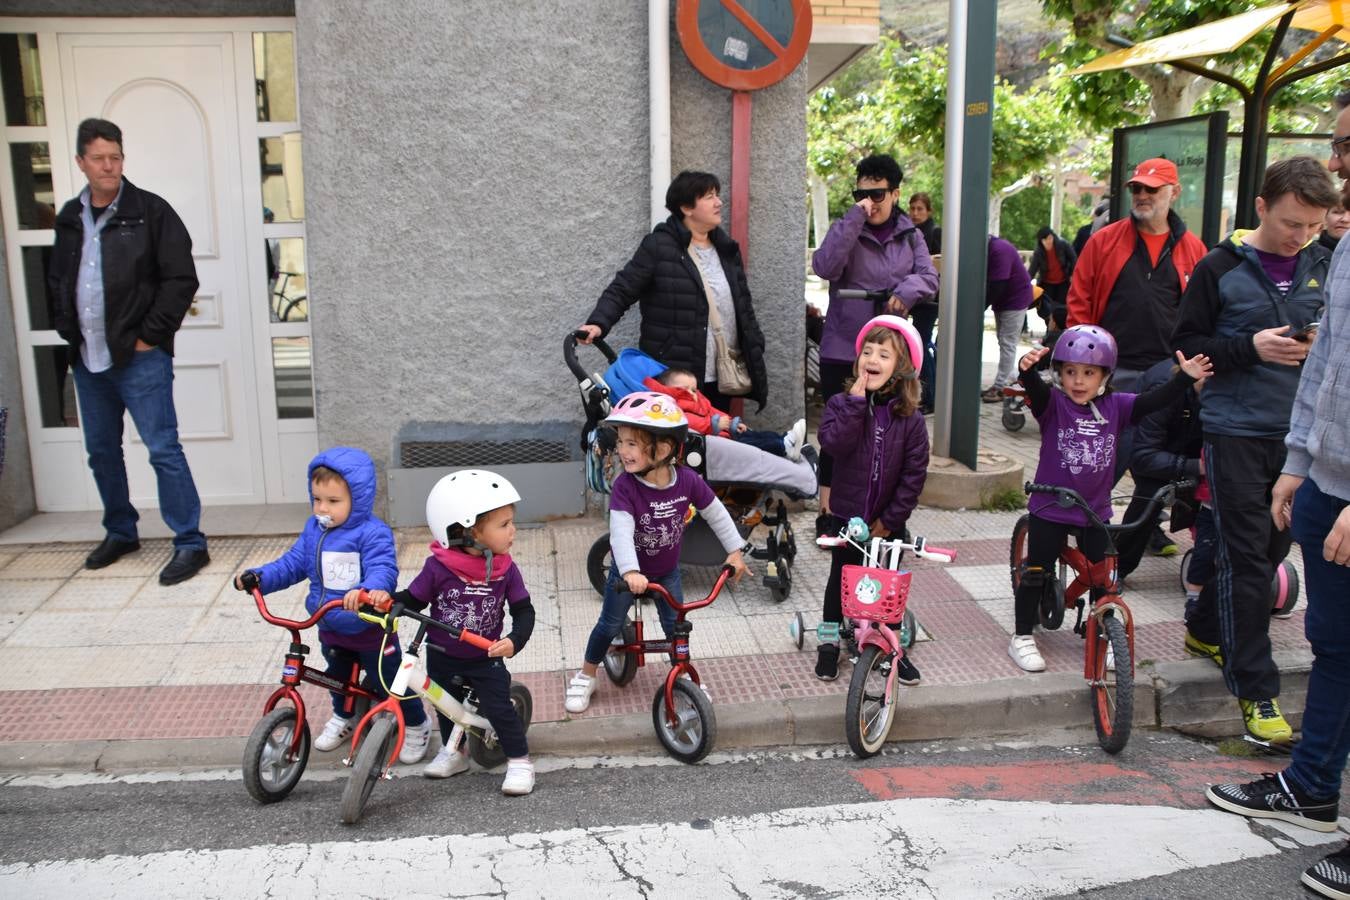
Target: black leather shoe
109	552
183	565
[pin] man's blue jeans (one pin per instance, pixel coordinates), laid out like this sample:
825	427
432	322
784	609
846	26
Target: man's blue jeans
615	608
1320	756
143	387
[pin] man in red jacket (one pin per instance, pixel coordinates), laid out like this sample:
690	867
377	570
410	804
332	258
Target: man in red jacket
1129	280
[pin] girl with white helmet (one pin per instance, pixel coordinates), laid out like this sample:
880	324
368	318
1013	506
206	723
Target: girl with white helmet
1080	421
468	581
650	504
877	436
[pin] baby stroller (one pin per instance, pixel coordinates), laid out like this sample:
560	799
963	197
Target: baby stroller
735	471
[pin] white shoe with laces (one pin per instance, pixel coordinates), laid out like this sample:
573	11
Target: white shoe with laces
448	762
415	740
794	440
334	734
1024	652
579	691
519	779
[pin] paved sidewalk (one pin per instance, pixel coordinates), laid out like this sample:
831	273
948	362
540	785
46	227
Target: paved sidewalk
109	670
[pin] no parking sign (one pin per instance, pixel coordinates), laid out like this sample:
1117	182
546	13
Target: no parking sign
744	44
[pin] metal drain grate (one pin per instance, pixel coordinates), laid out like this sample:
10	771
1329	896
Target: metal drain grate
484	454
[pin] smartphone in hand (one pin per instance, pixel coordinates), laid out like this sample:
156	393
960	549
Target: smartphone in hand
1307	332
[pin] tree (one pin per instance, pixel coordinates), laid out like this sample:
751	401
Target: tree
894	100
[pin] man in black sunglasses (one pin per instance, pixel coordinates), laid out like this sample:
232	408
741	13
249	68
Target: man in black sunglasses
874	247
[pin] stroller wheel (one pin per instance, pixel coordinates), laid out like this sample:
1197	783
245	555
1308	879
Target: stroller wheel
598	563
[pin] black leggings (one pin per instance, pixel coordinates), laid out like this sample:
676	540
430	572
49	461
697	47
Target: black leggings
492	683
1044	541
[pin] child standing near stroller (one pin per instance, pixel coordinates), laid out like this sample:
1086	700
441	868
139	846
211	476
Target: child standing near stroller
652	502
468	581
876	433
1080	419
704	418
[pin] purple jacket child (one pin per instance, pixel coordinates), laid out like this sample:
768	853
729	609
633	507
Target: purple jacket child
881	460
854	256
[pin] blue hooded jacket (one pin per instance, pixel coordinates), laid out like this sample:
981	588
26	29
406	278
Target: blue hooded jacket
358	553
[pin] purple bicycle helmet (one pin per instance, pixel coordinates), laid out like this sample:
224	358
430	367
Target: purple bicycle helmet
1090	345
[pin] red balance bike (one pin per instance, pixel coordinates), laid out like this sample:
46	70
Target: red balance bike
682	714
1104	621
278	749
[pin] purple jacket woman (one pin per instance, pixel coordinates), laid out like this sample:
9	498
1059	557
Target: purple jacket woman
881	460
855	256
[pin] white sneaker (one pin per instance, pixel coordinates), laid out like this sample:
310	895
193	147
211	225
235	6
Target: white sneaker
579	691
794	440
1024	652
334	734
415	740
448	762
519	779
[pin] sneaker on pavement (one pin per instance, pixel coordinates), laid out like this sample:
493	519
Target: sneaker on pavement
519	779
334	734
906	672
1274	797
579	691
1264	721
794	439
1025	653
992	394
448	762
415	741
1198	648
827	662
1160	544
1331	876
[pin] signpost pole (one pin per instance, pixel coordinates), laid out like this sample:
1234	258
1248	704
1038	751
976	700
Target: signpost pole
740	172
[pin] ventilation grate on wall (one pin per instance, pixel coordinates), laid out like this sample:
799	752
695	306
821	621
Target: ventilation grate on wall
481	454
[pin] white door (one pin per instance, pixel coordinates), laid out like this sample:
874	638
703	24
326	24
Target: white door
174	97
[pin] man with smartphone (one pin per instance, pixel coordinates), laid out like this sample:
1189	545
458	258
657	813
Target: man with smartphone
1312	499
1248	307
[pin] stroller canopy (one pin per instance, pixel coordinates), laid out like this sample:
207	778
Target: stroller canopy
625	374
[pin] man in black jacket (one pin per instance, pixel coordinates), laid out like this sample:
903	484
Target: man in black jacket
121	280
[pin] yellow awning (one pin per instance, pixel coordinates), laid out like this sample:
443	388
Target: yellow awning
1210	39
1322	15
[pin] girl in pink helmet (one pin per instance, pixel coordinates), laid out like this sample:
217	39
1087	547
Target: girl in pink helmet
876	433
649	506
1080	419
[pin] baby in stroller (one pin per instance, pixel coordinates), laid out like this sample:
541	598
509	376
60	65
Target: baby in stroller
704	418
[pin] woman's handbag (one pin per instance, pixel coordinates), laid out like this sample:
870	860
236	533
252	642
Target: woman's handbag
733	375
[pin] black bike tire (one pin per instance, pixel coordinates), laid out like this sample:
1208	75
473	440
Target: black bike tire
702	706
1113	720
259	741
621	668
866	743
368	766
489	753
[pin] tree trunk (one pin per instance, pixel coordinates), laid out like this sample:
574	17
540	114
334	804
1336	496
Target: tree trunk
996	201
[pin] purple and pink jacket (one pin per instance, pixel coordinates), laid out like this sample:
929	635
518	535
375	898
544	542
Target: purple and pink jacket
880	459
854	257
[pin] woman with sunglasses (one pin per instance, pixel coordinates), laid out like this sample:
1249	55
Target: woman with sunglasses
686	263
873	247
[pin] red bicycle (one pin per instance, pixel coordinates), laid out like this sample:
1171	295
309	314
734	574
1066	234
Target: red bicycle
682	714
1104	620
277	750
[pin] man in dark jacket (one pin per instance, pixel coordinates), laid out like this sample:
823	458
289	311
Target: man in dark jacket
121	280
1051	267
1244	308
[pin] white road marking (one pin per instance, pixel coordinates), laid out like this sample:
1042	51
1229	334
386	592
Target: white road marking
916	848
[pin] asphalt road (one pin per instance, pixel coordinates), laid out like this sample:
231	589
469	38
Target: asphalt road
952	819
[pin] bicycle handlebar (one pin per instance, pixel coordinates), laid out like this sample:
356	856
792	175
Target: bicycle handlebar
917	545
1068	497
291	623
398	609
682	607
570	353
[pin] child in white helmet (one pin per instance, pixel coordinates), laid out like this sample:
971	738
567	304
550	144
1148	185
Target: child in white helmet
468	581
651	502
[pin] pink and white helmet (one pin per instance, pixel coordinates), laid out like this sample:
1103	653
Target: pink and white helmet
650	411
901	325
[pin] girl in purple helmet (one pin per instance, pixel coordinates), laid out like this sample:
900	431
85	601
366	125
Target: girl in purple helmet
1080	419
651	502
876	432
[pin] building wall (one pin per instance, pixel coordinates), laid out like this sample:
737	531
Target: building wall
474	178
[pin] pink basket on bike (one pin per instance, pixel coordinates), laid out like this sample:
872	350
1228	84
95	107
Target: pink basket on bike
877	595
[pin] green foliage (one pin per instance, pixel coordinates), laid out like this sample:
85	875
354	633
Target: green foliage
1005	500
894	100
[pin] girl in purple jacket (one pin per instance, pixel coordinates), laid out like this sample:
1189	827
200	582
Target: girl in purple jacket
879	441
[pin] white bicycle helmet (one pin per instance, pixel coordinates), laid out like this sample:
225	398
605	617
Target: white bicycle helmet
461	497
